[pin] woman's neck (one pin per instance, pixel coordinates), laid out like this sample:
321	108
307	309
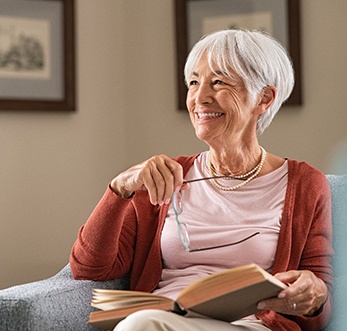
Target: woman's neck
235	160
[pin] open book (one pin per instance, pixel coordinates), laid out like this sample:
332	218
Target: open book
227	295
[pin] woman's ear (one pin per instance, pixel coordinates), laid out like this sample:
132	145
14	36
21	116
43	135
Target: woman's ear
266	98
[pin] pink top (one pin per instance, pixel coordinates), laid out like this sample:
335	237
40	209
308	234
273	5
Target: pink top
230	217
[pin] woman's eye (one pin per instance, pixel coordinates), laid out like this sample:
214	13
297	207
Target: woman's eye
193	82
218	82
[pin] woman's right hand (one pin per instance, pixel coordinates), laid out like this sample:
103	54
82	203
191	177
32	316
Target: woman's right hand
159	175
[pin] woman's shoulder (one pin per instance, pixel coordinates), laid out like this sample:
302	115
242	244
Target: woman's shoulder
186	161
303	168
303	173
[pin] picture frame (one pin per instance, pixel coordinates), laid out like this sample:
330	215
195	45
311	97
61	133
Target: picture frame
195	18
37	55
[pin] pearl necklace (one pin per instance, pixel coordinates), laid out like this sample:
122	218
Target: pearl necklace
252	174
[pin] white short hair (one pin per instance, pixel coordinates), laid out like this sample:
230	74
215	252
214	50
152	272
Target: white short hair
255	56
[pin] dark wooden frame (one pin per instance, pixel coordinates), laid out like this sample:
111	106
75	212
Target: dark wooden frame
293	48
68	102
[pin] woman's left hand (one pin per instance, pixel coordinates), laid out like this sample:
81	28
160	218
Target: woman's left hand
305	294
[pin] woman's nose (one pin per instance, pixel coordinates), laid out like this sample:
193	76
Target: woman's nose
204	94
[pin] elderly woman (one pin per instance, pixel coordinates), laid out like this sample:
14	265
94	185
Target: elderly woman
259	208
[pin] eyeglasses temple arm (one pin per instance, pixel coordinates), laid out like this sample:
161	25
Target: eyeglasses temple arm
207	178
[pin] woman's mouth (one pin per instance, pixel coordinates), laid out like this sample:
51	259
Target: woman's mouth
208	115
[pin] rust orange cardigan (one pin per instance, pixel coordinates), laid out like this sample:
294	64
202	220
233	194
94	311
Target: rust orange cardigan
123	236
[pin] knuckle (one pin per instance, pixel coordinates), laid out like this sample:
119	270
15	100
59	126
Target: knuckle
152	161
161	181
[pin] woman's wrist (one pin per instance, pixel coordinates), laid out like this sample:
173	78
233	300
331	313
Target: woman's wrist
120	190
322	297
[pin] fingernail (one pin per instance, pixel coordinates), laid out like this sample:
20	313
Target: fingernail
167	201
261	305
177	189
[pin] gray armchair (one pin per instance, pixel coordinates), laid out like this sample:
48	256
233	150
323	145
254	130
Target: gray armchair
63	304
54	304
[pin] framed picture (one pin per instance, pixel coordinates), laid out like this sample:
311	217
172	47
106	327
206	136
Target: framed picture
196	18
37	55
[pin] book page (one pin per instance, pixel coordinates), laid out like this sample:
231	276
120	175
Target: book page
224	282
129	303
107	319
117	299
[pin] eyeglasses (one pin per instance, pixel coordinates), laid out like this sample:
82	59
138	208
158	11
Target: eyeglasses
182	227
212	177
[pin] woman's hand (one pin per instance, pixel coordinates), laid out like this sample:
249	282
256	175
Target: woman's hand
305	294
159	175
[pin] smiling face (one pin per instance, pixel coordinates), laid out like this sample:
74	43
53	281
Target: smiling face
218	106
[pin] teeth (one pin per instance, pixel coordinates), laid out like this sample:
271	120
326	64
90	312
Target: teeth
205	115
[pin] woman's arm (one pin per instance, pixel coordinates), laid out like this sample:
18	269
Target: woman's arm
105	244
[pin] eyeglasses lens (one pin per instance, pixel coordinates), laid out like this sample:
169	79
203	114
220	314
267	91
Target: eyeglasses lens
177	202
184	236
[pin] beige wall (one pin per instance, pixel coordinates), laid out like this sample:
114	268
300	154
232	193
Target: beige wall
55	166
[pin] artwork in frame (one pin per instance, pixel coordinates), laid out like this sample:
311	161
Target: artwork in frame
196	18
37	55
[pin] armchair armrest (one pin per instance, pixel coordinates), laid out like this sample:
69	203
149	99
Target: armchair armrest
57	303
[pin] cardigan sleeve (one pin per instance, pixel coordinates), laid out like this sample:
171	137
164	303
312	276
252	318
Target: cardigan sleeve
317	252
105	245
305	241
120	236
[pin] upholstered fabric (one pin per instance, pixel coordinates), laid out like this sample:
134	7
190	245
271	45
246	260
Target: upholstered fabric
59	303
338	185
63	304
